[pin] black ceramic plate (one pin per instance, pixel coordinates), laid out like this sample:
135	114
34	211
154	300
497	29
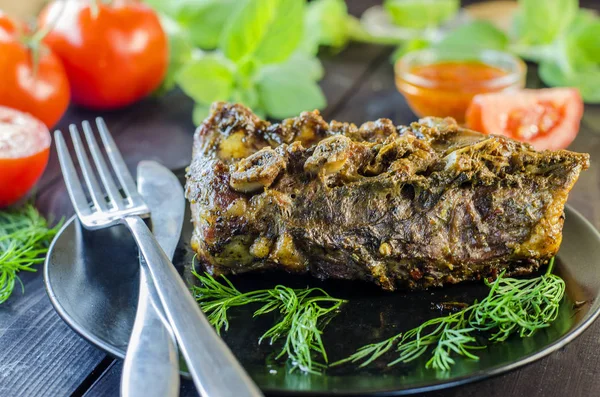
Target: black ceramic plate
92	280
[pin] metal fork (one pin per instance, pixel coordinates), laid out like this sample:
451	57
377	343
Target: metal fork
213	367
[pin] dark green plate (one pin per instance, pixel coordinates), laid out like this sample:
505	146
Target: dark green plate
92	281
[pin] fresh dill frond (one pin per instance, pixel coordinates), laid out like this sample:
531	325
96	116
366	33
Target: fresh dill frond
303	314
24	238
370	352
512	306
519	306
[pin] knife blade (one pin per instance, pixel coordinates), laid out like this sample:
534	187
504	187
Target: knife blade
151	366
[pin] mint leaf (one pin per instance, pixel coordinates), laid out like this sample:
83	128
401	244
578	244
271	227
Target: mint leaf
409	46
583	42
587	80
247	96
207	78
421	14
200	113
325	23
246	28
268	30
283	34
542	21
204	20
285	93
180	50
300	63
168	7
474	35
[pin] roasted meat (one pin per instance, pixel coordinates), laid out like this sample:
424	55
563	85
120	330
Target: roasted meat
412	206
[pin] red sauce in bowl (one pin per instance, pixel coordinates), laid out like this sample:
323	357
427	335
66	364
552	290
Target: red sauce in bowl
445	88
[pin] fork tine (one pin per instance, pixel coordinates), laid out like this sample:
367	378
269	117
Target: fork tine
105	176
87	171
72	182
116	160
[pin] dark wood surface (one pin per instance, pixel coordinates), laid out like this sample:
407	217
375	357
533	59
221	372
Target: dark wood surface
41	356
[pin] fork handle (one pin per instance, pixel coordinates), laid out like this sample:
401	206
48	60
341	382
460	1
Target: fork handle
213	367
151	366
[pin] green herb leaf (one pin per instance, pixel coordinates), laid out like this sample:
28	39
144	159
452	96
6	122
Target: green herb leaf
180	51
325	24
421	14
583	42
205	20
585	79
287	91
283	34
208	77
24	239
269	30
409	46
200	113
542	21
473	36
246	28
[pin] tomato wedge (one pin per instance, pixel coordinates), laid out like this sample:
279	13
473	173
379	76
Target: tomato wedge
546	118
24	151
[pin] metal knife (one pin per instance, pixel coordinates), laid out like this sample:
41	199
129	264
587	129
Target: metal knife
151	366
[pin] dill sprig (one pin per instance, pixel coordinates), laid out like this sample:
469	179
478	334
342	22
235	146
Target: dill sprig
303	314
513	306
24	238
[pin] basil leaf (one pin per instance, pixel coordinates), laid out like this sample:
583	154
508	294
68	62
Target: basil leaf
205	19
587	80
283	34
475	35
542	21
284	93
208	78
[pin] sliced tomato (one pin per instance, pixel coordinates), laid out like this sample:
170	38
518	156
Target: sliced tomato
546	118
24	151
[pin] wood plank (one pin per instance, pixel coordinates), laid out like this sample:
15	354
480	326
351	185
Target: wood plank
39	354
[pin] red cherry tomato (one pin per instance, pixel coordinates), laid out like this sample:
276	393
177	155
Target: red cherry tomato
24	150
547	118
42	89
114	54
7	24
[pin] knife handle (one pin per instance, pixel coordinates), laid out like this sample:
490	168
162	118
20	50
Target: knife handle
151	366
213	367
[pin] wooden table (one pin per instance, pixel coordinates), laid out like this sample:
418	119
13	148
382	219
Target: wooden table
41	356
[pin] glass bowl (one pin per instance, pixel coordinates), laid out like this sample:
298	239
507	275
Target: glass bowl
437	82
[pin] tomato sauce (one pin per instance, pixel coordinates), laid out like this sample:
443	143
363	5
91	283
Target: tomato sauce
446	88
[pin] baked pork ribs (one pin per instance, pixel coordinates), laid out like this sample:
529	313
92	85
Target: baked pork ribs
415	206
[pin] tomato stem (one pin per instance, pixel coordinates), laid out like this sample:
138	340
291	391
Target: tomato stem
35	40
94	8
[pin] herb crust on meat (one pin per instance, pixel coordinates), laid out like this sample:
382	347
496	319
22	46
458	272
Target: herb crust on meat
412	206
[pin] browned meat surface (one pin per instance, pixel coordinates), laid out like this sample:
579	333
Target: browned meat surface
402	206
